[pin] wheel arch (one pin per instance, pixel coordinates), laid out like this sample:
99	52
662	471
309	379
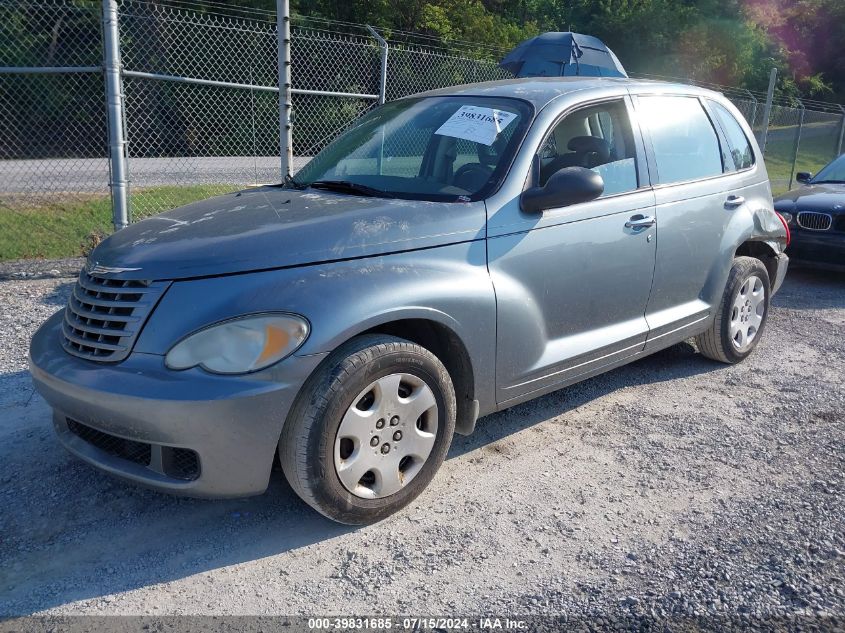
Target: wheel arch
443	342
427	329
760	249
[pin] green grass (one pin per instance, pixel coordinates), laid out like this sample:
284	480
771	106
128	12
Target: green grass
71	227
814	152
147	202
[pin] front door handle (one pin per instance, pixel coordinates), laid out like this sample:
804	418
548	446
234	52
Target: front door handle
734	201
640	222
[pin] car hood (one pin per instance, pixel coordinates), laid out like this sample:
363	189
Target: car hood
826	197
270	227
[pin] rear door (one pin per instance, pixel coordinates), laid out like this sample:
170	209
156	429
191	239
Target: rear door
697	193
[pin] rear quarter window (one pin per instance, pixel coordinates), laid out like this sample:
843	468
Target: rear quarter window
741	154
685	143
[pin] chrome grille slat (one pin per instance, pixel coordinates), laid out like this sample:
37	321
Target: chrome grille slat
814	221
95	330
142	288
84	342
104	316
100	316
106	303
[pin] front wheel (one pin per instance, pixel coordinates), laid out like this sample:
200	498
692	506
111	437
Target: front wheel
370	429
741	316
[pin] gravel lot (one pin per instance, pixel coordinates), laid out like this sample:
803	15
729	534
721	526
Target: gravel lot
672	487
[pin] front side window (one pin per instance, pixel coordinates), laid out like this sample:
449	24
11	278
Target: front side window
741	155
685	144
597	137
435	148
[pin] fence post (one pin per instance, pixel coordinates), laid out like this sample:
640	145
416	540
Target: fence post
841	133
114	110
767	111
285	104
754	111
797	142
382	88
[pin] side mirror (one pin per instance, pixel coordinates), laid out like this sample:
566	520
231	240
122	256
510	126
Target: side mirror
804	177
566	186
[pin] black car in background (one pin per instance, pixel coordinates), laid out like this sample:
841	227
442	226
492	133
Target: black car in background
815	213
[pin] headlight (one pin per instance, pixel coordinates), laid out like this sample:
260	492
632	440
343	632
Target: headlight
786	216
241	345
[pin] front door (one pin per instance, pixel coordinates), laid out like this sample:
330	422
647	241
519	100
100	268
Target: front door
572	290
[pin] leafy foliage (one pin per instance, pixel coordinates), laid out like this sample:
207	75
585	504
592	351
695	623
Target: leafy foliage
733	42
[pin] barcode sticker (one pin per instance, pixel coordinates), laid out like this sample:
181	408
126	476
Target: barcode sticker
475	123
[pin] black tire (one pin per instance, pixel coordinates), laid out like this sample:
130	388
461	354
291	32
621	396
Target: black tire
306	447
716	342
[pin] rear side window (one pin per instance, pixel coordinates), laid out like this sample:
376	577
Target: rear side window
685	144
740	149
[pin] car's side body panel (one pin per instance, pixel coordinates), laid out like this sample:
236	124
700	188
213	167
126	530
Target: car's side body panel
448	285
571	283
577	295
699	231
568	298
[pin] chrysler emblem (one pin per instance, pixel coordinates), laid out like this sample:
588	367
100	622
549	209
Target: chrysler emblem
96	269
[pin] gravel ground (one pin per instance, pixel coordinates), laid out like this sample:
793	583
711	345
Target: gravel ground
39	269
672	488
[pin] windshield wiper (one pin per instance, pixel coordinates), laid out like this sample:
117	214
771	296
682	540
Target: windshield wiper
347	186
835	182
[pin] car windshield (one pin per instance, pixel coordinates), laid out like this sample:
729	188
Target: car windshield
833	172
433	148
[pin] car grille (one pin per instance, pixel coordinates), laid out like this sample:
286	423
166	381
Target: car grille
814	221
177	463
137	452
181	463
104	316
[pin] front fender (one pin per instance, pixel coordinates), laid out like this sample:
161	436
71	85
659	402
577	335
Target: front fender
449	285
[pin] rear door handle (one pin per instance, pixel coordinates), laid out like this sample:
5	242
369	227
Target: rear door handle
734	201
640	222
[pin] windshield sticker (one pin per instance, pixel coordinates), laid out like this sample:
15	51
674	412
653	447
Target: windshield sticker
474	123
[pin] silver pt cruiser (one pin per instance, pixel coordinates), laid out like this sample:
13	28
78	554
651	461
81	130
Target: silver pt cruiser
452	254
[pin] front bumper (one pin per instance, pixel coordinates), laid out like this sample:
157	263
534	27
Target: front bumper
820	248
232	424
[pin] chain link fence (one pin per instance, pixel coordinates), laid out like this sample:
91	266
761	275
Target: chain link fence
200	108
54	195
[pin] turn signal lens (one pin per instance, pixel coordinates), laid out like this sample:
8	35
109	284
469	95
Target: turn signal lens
241	345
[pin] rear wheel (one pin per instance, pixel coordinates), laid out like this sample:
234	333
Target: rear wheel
741	316
370	429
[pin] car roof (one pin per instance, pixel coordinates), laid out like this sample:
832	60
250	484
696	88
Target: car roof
539	91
